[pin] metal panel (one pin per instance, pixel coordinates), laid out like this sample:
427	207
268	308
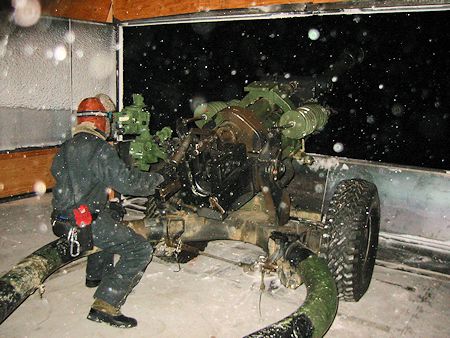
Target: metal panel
45	71
414	201
24	127
93	61
33	69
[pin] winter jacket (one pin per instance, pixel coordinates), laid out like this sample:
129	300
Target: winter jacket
86	166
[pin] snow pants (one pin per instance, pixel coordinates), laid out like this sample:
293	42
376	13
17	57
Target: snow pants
114	237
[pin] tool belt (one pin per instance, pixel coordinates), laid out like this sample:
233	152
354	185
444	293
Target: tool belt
79	239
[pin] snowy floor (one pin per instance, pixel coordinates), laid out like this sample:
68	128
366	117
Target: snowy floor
207	298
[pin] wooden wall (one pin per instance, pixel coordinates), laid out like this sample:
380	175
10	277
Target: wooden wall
92	10
126	10
19	171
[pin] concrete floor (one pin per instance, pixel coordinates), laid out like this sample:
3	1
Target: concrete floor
207	298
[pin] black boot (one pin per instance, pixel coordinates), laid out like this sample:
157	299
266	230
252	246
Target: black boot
102	312
93	283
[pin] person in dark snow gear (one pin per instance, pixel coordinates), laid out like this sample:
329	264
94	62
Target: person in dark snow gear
85	168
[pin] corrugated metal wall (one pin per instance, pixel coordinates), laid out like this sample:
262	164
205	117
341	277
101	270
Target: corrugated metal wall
413	201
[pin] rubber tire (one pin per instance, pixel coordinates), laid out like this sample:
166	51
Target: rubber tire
350	242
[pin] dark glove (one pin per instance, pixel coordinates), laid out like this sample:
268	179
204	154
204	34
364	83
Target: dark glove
158	178
117	210
171	183
154	180
168	172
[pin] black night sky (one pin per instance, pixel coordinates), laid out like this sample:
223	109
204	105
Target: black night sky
391	106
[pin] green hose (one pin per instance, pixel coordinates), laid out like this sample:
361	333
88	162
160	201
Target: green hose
314	317
26	276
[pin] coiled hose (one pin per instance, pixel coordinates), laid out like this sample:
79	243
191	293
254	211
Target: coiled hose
314	317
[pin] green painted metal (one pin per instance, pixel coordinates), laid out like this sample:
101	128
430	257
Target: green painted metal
133	119
271	104
314	317
269	101
26	276
164	134
210	110
275	93
321	301
304	120
145	149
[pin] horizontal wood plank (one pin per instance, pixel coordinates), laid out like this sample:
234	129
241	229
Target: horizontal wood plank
22	172
125	10
94	10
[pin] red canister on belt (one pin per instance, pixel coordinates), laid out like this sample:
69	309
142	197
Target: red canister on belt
83	216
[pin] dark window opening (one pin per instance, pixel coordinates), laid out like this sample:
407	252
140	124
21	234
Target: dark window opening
391	105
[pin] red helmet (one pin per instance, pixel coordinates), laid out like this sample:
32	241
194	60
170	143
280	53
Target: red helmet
92	110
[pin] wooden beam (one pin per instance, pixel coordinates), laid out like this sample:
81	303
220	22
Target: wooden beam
94	10
21	170
125	10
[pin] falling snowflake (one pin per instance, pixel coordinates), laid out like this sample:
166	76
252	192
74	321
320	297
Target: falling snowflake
370	119
196	102
39	188
338	147
26	12
318	188
283	205
69	37
397	110
60	53
43	227
101	66
313	34
79	53
49	54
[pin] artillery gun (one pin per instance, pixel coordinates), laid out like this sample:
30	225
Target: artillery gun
238	149
228	176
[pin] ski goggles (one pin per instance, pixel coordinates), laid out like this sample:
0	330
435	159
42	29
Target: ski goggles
108	115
